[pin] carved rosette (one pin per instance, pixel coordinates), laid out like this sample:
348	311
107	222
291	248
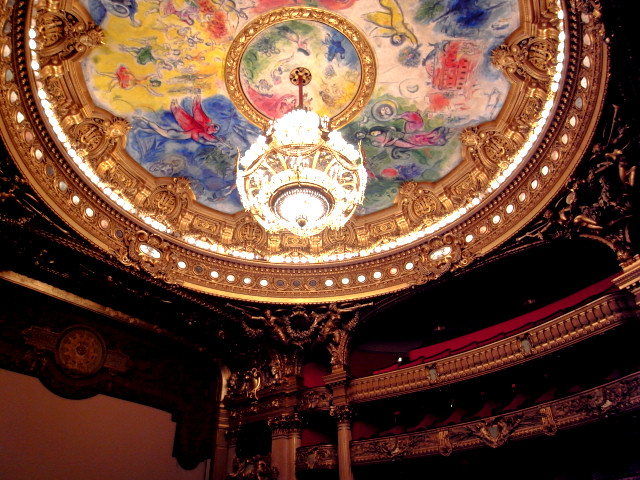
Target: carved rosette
65	36
285	424
80	351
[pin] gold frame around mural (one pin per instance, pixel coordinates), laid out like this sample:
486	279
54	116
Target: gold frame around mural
310	14
88	210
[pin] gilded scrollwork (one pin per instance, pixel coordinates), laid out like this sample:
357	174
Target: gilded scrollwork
169	201
419	205
440	255
317	457
250	234
530	58
597	204
65	36
490	150
315	399
336	240
444	443
300	325
96	138
614	398
150	253
257	467
549	425
495	431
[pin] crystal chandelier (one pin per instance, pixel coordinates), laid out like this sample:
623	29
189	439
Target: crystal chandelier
301	176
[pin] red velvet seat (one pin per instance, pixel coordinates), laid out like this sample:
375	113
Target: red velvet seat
547	396
516	402
456	416
428	420
486	411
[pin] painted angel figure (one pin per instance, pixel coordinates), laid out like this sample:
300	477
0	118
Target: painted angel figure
412	137
195	125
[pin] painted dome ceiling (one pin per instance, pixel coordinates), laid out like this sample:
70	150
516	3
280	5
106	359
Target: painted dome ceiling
163	65
130	117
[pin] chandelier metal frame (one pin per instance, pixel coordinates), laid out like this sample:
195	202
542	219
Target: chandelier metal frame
301	176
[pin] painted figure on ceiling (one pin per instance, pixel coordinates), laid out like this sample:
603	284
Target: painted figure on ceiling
411	137
196	125
391	23
119	8
126	80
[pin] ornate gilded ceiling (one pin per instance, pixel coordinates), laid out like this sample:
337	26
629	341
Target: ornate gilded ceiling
126	117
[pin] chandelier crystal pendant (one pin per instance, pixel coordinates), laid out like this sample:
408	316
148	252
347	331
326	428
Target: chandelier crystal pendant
301	176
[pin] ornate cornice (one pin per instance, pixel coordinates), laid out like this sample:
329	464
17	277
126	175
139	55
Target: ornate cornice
546	419
593	318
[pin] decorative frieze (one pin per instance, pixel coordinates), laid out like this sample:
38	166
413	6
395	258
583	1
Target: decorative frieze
317	457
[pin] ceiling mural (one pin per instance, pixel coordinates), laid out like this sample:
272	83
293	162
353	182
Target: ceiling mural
127	117
162	68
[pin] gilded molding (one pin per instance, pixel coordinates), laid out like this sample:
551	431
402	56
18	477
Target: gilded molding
598	316
591	405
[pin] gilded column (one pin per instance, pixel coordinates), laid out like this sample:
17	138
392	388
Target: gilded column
232	438
221	451
285	439
343	415
338	381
